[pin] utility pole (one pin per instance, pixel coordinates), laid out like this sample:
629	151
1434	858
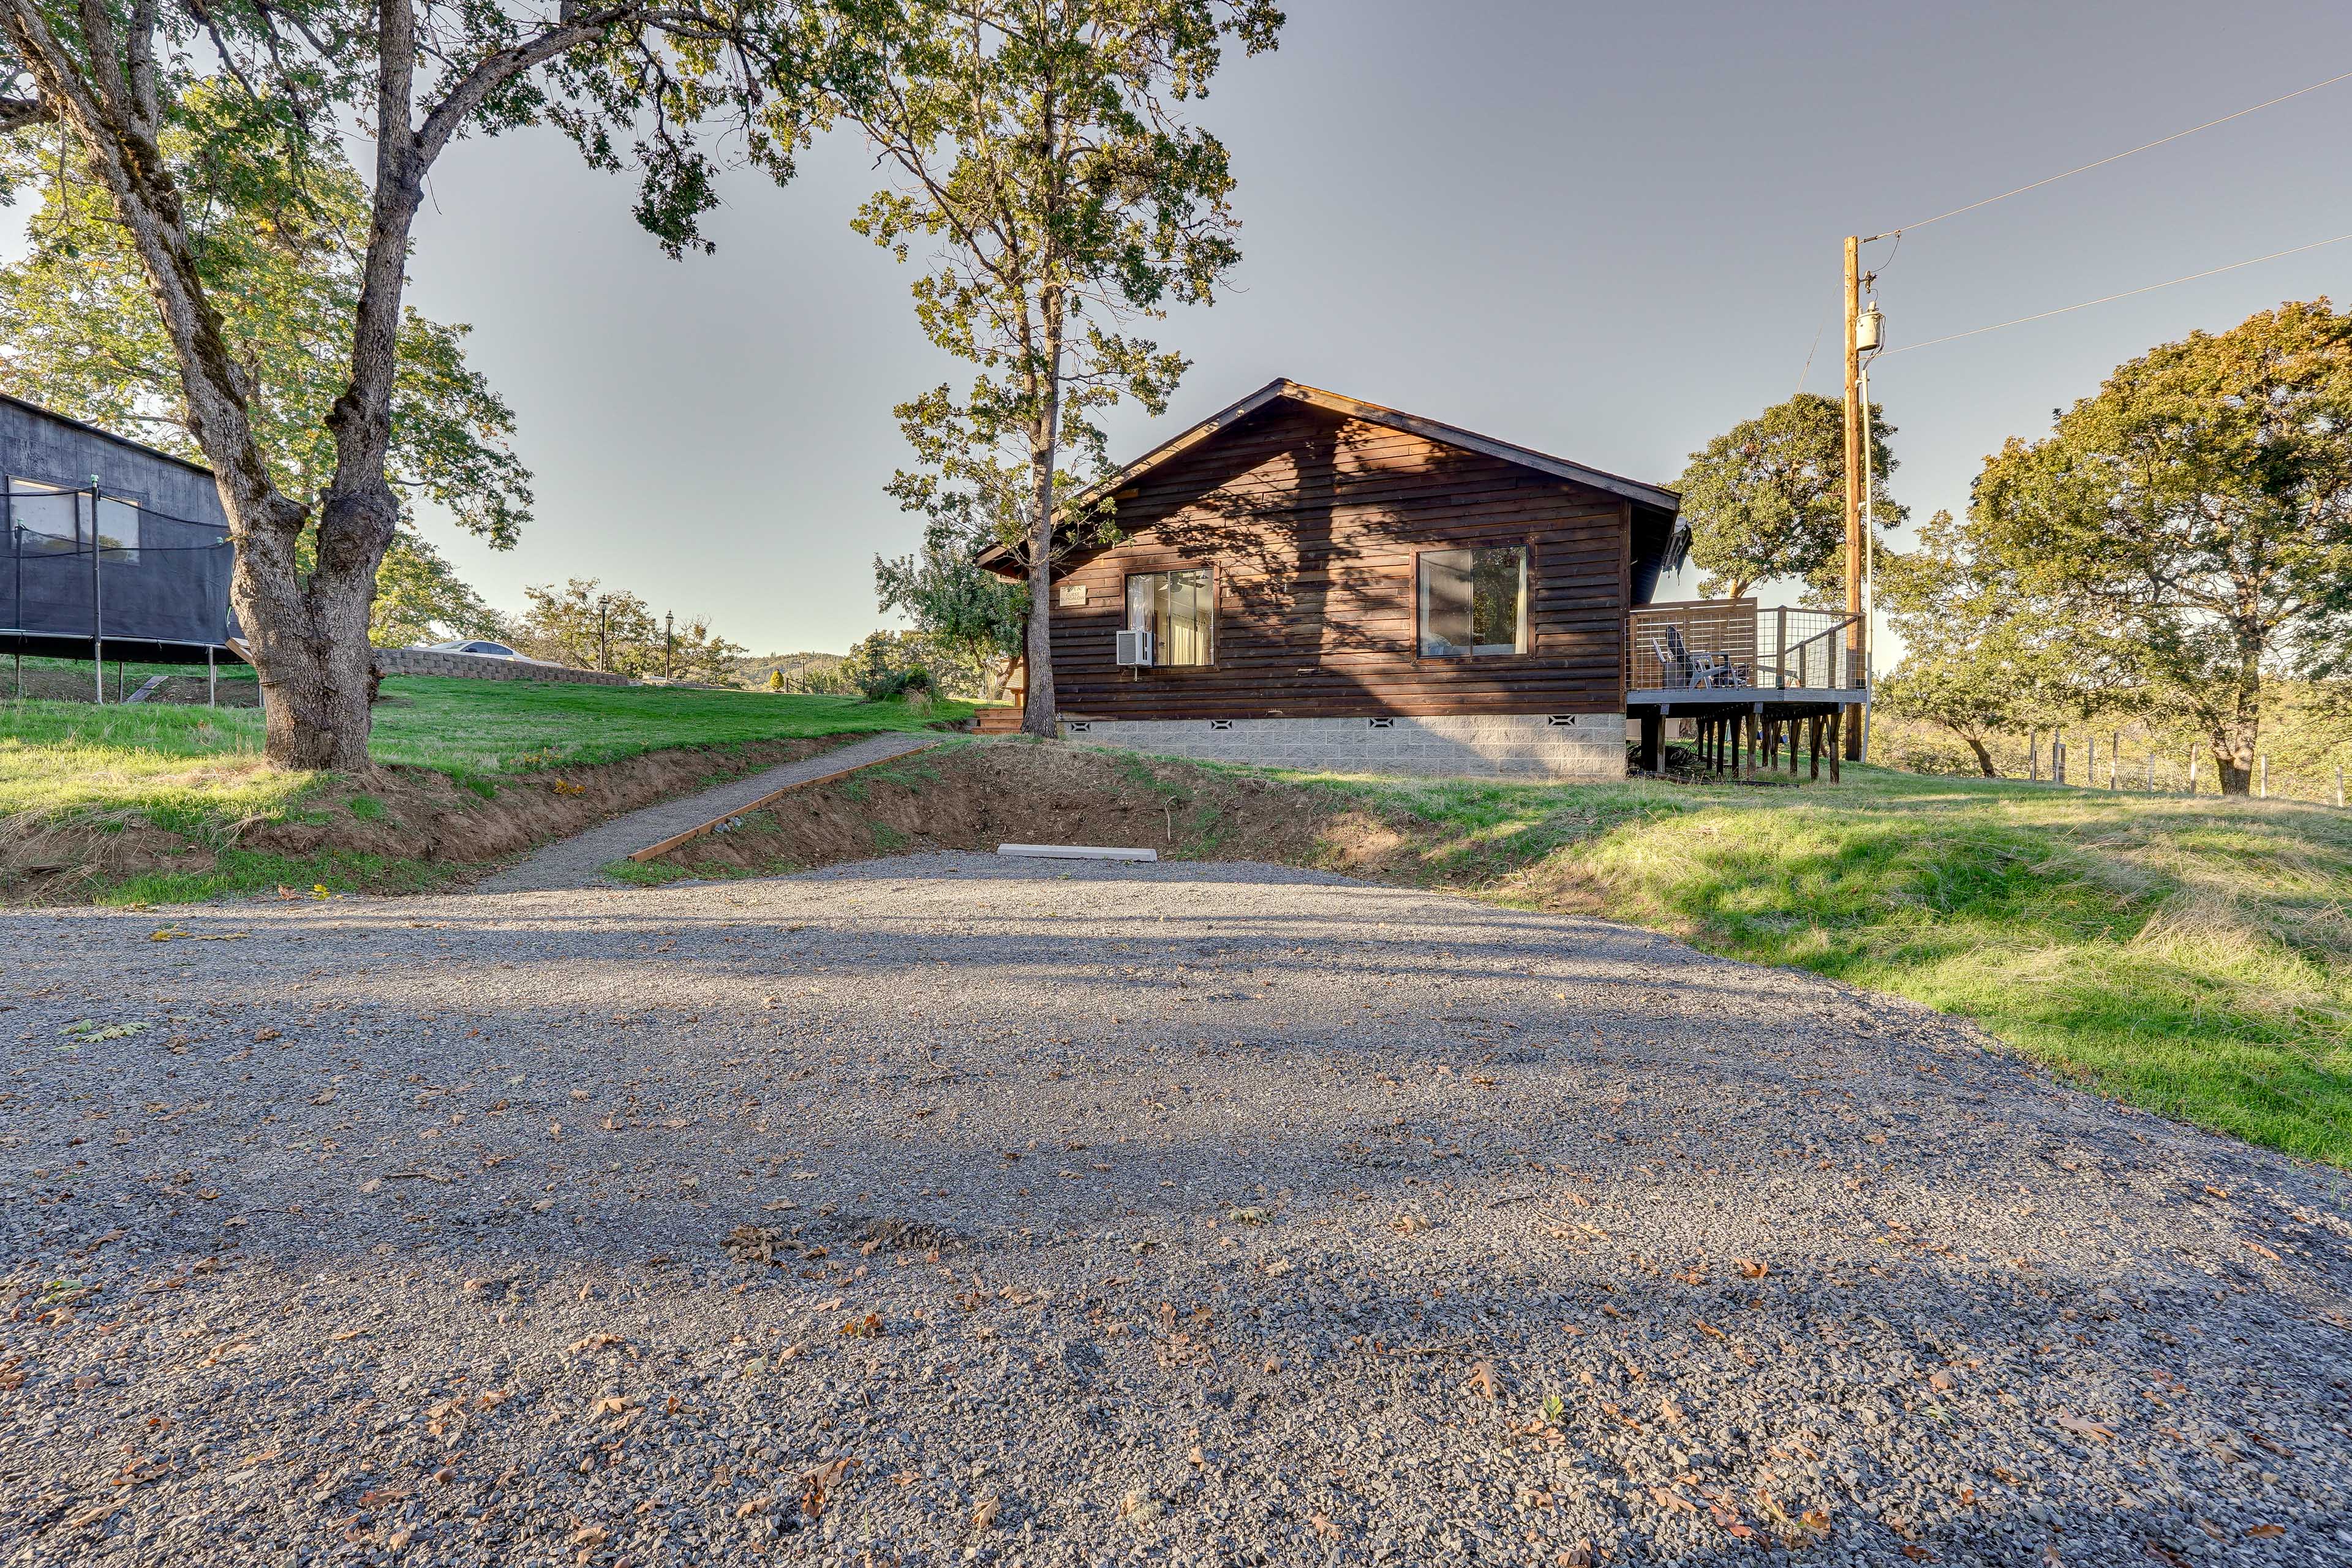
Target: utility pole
604	646
1856	418
669	622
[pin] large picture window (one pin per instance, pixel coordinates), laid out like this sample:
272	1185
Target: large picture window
1474	602
1180	610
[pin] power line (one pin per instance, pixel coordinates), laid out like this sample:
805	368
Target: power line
2118	157
2103	298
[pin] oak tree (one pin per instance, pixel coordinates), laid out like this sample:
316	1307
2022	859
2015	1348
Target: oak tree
2190	526
1767	498
626	79
80	333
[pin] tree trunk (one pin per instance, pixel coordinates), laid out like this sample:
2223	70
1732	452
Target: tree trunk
1037	717
1984	758
2236	735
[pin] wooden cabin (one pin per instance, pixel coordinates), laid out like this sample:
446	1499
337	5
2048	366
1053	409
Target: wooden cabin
1306	580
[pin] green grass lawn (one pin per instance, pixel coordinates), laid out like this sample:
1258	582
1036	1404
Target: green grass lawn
2192	956
504	726
178	764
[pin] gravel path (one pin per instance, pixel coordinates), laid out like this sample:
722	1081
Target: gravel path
580	861
947	1209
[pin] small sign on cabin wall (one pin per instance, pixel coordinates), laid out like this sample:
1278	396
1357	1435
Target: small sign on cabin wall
1074	593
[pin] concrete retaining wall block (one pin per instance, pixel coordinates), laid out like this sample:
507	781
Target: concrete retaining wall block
479	667
1514	745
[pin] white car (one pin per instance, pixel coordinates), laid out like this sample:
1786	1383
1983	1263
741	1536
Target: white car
481	648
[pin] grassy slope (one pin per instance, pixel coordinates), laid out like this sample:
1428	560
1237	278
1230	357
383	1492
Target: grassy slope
2190	956
197	771
498	726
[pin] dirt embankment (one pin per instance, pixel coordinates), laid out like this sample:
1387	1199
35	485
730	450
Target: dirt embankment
401	814
995	792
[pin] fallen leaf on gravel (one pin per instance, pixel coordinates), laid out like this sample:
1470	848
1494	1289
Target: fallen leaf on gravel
752	1506
611	1404
594	1343
2217	1192
2264	1532
1482	1378
491	1399
1751	1268
1917	1554
984	1514
1816	1520
589	1535
2082	1428
820	1482
1666	1498
1706	1328
2259	1250
1670	1413
1942	1382
866	1328
1323	1526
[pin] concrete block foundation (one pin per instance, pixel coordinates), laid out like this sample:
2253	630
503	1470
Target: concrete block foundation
1499	745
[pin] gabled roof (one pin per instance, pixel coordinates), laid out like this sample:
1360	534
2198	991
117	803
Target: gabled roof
1396	420
1373	413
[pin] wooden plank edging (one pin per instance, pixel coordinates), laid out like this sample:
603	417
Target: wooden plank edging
654	851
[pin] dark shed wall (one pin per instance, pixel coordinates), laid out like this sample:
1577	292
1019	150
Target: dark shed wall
1311	521
37	445
166	597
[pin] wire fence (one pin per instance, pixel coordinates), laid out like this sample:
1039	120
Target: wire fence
2132	761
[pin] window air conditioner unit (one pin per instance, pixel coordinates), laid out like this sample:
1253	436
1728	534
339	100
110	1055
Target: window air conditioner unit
1134	648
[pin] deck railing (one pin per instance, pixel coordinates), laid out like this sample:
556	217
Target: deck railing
1719	645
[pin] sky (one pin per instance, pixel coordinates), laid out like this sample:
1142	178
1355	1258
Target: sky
1608	232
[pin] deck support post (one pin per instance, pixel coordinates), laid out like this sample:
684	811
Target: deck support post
1837	741
1653	728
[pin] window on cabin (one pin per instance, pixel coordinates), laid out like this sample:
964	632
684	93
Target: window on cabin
1474	602
47	521
1180	610
118	530
53	521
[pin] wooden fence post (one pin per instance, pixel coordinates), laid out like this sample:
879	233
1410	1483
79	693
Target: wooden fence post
2262	765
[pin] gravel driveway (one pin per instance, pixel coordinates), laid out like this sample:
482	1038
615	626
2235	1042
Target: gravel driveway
949	1209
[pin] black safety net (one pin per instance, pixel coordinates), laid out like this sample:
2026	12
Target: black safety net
80	565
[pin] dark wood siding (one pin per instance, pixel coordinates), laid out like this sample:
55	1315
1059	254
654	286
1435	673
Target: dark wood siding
1311	521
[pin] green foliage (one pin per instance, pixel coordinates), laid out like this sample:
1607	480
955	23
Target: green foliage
1975	662
2189	527
889	665
580	625
972	617
1767	499
1040	148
